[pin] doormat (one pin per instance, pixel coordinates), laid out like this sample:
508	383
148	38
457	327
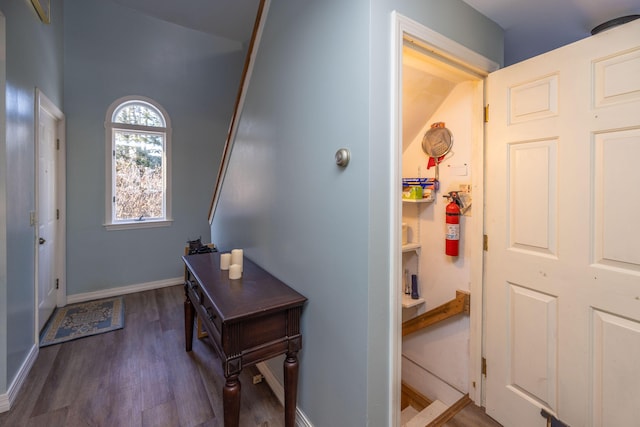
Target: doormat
83	320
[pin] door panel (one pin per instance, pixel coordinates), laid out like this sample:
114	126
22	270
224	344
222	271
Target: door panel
562	273
616	78
534	100
615	378
532	207
46	216
613	173
533	346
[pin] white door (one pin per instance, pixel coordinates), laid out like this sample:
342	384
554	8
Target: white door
47	215
562	270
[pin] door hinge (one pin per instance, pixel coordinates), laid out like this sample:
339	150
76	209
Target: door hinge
57	143
57	213
57	283
484	367
486	113
485	242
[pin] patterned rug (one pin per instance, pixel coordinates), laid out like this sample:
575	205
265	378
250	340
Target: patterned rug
82	320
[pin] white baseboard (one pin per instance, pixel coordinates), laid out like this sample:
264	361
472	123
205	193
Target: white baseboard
272	381
278	390
301	419
5	404
428	384
7	399
123	290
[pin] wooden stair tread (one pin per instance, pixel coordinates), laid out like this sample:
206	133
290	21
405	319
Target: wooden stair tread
427	415
407	414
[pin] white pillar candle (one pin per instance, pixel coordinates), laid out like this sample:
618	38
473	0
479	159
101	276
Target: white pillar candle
236	257
235	271
225	261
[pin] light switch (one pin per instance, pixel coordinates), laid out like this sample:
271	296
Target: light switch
458	170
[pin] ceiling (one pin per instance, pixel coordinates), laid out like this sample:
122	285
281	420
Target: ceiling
231	19
426	83
531	26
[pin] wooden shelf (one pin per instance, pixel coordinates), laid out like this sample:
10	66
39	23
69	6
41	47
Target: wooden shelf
411	247
415	247
425	200
408	302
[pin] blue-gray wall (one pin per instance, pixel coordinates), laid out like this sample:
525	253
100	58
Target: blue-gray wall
33	59
322	81
112	51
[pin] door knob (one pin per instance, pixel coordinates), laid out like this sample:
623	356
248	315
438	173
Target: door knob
343	156
41	241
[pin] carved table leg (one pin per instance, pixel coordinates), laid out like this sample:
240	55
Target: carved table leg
189	315
231	401
290	388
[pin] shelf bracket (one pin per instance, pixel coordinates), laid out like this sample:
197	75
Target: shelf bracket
460	304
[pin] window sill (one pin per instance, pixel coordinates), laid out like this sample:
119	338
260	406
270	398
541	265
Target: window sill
138	224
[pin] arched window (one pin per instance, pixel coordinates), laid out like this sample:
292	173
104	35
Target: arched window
138	164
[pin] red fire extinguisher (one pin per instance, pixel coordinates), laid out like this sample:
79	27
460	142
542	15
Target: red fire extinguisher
452	210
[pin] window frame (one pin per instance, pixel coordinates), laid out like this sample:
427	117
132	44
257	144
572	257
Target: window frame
111	223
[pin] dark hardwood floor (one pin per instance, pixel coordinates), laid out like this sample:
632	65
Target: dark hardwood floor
141	376
472	416
137	376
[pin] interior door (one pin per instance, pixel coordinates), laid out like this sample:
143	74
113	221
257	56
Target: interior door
562	270
47	215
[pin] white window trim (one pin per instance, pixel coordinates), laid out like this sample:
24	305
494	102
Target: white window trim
109	126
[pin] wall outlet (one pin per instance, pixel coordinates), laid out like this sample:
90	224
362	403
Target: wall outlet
32	218
465	188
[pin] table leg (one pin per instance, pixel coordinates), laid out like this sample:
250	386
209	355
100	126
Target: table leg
290	388
231	401
189	315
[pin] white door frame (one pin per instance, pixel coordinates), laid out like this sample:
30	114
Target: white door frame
5	399
450	52
41	100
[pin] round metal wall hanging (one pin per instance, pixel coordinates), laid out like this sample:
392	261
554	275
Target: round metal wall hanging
437	142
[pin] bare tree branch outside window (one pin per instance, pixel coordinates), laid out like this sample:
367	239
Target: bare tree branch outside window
139	140
139	181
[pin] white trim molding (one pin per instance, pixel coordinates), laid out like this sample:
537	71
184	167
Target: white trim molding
450	52
278	391
123	290
151	223
441	46
110	128
7	399
42	102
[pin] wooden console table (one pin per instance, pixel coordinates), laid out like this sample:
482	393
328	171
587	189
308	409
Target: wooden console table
248	320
